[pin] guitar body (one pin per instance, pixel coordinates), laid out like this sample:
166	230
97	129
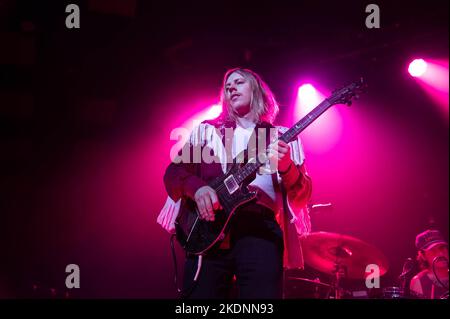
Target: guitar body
196	235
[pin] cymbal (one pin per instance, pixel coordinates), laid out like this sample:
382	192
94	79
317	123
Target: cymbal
325	251
310	281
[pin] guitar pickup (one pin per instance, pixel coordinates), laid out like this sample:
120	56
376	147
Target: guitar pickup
231	184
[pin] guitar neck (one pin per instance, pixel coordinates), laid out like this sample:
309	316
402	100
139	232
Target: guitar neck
252	166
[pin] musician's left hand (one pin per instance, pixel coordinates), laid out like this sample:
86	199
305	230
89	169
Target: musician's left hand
280	153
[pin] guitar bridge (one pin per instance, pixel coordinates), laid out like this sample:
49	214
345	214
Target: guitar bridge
231	184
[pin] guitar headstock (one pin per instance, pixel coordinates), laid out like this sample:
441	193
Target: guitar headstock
346	94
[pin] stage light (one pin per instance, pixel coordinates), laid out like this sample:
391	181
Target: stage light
205	113
417	67
213	112
307	95
321	136
434	81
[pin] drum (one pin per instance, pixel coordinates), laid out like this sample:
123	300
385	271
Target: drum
305	288
393	293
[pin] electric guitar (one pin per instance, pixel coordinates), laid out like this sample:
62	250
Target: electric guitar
196	235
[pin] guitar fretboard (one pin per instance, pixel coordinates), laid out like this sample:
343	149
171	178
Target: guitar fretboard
252	166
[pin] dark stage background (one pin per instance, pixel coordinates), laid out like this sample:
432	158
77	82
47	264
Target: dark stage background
86	115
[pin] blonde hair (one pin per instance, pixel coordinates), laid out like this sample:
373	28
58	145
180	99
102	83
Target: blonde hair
263	104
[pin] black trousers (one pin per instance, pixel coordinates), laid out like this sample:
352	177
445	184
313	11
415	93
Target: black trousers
255	258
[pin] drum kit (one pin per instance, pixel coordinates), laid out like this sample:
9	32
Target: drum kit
344	257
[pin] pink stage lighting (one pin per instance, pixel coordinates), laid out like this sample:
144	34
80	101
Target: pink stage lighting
308	96
417	67
434	81
325	132
214	111
207	113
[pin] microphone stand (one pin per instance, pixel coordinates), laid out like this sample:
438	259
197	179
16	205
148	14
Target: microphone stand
408	266
434	270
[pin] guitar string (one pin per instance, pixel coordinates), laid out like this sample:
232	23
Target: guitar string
322	107
282	137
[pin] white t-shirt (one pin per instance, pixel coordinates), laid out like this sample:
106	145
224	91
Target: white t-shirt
263	182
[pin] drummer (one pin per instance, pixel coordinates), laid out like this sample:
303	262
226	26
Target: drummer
432	282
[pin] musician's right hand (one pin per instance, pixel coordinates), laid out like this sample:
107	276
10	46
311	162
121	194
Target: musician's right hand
207	201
